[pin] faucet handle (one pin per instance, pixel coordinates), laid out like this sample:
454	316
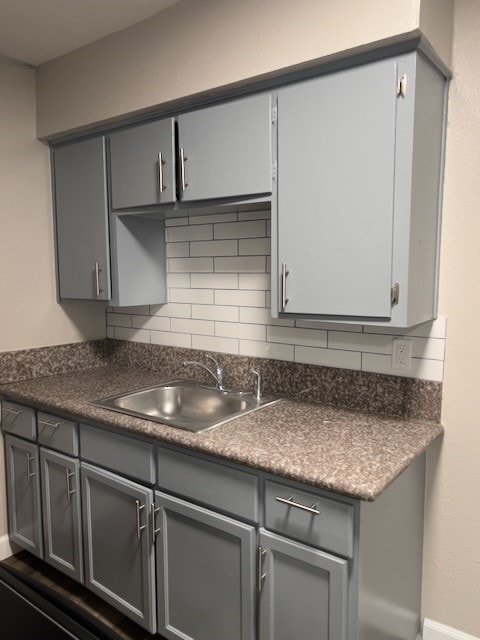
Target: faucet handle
258	384
215	362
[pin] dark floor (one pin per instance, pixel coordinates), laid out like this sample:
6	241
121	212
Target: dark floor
116	622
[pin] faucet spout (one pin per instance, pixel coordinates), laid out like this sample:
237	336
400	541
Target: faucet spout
217	373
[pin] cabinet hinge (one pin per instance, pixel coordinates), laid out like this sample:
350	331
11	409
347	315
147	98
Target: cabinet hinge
274	114
402	86
260	575
274	171
395	294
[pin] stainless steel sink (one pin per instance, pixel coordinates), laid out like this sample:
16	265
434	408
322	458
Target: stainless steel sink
185	404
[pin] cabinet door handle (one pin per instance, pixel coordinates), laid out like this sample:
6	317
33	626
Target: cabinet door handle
291	503
285	273
30	473
139	507
47	423
161	186
153	515
98	289
183	159
69	474
261	553
15	412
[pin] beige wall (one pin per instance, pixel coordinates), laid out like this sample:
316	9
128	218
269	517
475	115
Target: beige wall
30	315
452	543
195	46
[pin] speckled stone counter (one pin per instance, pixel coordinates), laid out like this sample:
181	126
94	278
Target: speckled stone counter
348	452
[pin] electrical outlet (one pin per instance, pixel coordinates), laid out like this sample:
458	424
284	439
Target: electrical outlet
401	354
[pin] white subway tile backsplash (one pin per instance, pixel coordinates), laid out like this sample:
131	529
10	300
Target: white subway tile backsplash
191	296
328	357
266	350
251	264
248	229
215	312
190	232
260	281
214	248
292	335
218	267
172	310
151	322
189	265
239	330
254	247
209	343
240	298
214	281
201	327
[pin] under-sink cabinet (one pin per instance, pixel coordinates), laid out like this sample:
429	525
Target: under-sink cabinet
198	548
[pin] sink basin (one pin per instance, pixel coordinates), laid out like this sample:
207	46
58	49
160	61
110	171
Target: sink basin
185	404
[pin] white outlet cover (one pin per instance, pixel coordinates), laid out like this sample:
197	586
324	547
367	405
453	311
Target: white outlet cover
401	354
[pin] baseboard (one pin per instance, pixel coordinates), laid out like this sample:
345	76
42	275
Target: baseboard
6	548
436	631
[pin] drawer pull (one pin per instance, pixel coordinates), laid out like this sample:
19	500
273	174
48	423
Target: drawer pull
47	423
139	508
15	412
154	510
69	474
291	503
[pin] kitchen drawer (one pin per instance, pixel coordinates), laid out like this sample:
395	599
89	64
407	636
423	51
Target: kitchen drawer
330	529
128	456
212	484
57	433
19	420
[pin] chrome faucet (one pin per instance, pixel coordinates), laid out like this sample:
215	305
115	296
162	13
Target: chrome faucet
217	373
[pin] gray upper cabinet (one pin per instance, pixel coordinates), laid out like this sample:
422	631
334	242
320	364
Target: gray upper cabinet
142	165
304	592
205	572
23	492
82	220
61	513
359	172
226	150
119	563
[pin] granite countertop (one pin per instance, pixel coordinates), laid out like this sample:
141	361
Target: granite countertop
348	452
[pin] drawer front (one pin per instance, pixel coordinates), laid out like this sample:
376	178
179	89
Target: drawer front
19	420
111	450
57	433
310	518
215	485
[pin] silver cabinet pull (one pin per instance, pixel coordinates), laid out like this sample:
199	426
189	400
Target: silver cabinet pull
261	553
153	515
291	503
69	474
139	507
98	270
47	423
183	159
161	186
285	273
15	412
30	473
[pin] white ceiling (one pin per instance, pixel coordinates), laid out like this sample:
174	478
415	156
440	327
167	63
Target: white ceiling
34	31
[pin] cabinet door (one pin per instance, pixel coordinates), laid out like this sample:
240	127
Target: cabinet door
142	164
82	220
118	551
304	593
61	513
227	150
336	144
23	493
205	568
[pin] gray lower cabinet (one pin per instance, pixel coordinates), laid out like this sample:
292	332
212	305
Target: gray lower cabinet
206	573
62	530
23	491
119	554
304	591
81	209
